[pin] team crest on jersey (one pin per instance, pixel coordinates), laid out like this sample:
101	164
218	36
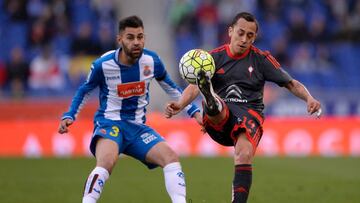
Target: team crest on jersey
131	89
103	131
250	69
147	71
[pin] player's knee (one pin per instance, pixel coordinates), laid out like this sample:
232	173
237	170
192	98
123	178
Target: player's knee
106	154
170	157
244	155
107	163
161	154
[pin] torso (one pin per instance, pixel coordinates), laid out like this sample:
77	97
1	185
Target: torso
241	79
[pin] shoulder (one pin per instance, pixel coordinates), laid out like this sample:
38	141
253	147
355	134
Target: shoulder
151	55
264	56
110	55
219	53
218	50
258	52
148	52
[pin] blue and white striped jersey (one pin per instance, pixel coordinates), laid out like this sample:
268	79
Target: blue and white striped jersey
124	90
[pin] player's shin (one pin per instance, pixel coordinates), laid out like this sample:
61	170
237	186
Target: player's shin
212	105
94	185
175	182
242	183
215	109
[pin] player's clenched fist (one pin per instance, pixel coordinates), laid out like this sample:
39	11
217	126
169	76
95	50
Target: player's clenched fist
63	128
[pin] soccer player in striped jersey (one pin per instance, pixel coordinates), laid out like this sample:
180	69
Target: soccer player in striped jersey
123	77
233	97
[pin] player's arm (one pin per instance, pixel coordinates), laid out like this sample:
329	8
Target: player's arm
176	93
299	90
273	72
188	95
164	80
80	98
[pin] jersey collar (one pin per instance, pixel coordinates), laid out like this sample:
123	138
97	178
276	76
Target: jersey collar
117	58
236	57
117	55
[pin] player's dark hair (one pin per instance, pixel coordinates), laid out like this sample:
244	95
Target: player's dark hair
247	16
131	21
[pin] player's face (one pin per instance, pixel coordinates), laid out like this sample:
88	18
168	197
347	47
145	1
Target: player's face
242	36
132	41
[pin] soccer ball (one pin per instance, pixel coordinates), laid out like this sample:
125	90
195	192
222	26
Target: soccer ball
193	61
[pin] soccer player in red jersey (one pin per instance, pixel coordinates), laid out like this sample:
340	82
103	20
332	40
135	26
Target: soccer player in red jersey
233	97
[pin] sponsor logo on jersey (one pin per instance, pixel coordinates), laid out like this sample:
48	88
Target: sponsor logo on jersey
233	94
147	138
113	77
131	89
147	71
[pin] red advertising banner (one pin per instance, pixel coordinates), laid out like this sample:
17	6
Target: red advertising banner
282	137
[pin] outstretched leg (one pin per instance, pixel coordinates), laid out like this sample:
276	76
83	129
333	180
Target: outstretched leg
212	105
106	157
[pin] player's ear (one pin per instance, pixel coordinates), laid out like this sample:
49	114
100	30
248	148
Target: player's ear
118	38
230	31
253	40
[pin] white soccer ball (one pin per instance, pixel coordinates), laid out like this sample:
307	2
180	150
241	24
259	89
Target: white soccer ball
193	61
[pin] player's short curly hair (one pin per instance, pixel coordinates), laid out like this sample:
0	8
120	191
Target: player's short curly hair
131	21
247	16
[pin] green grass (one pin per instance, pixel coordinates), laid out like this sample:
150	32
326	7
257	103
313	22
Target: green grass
290	180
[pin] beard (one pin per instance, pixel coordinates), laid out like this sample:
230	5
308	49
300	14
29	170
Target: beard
132	53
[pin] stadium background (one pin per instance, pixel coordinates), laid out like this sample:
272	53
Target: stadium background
47	46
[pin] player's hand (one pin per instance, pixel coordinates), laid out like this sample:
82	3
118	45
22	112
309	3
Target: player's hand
314	106
172	108
64	124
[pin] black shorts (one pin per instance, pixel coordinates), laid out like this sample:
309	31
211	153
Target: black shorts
237	120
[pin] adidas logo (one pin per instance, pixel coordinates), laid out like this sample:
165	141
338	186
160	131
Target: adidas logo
220	71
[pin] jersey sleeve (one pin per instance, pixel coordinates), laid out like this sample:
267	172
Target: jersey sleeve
159	69
273	72
83	93
175	93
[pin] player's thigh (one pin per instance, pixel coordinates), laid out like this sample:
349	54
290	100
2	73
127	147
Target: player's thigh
106	143
161	154
107	153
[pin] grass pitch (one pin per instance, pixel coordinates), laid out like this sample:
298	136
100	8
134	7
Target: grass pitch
288	180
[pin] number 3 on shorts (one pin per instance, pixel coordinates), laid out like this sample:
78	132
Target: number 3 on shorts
115	131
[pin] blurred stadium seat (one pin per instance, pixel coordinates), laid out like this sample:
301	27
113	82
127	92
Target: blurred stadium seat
327	35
